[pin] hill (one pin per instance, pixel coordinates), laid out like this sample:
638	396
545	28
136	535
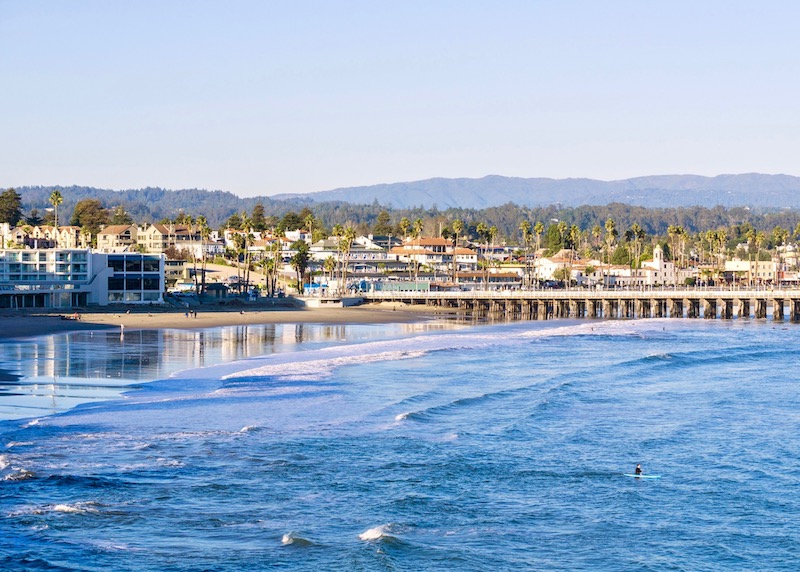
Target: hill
753	190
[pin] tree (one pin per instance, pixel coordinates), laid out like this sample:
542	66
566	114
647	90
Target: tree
527	234
234	222
404	227
271	267
205	234
257	219
760	239
329	267
309	223
458	229
10	207
55	200
563	229
299	262
290	221
345	244
33	218
119	216
574	239
538	230
91	214
383	224
416	233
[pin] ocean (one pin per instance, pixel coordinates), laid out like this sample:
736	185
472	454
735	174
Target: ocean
428	446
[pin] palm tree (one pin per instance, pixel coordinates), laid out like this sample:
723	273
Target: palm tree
346	243
751	241
574	239
205	233
55	200
271	267
416	233
562	232
309	223
538	230
299	262
527	235
404	225
458	228
611	235
779	236
483	236
760	239
329	267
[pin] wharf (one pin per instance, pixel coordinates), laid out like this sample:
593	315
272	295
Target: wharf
583	303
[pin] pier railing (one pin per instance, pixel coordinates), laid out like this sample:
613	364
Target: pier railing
543	304
583	294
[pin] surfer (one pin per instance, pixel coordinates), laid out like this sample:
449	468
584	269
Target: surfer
638	470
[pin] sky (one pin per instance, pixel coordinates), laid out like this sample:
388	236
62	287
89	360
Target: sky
267	97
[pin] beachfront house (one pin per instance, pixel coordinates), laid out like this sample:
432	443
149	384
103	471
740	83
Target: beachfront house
117	238
69	278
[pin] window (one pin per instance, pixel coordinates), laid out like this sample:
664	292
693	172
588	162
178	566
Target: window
150	265
133	264
151	283
115	283
116	263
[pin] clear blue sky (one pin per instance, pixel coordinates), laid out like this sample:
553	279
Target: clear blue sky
262	97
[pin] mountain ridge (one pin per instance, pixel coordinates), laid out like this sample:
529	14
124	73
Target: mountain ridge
728	190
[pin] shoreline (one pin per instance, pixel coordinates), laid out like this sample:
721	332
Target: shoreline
17	325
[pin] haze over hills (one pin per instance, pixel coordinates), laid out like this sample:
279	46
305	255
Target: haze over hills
753	190
766	193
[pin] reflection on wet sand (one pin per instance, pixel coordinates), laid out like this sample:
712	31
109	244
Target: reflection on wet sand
50	374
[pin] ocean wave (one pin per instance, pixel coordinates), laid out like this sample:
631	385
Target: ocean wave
319	363
382	532
320	368
170	462
4	462
88	507
294	539
12	444
20	475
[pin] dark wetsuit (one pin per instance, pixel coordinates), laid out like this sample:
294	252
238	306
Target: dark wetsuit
638	471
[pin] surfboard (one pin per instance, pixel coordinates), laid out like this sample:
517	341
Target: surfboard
641	476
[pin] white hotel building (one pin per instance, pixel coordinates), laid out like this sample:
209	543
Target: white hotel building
68	278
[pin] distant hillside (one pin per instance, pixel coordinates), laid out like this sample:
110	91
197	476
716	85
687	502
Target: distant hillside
154	204
764	193
753	190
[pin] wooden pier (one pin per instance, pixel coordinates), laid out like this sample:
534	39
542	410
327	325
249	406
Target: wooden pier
610	304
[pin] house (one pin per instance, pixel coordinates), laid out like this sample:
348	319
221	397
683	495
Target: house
158	238
117	238
67	278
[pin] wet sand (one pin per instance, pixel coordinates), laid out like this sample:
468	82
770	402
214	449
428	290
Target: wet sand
19	325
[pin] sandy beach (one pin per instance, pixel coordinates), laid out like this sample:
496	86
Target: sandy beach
19	324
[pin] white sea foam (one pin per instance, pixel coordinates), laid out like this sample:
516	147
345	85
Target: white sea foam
20	475
402	416
293	538
249	428
77	508
4	462
377	533
11	444
31	423
317	369
319	364
169	462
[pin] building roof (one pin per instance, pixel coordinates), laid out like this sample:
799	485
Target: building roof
116	229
